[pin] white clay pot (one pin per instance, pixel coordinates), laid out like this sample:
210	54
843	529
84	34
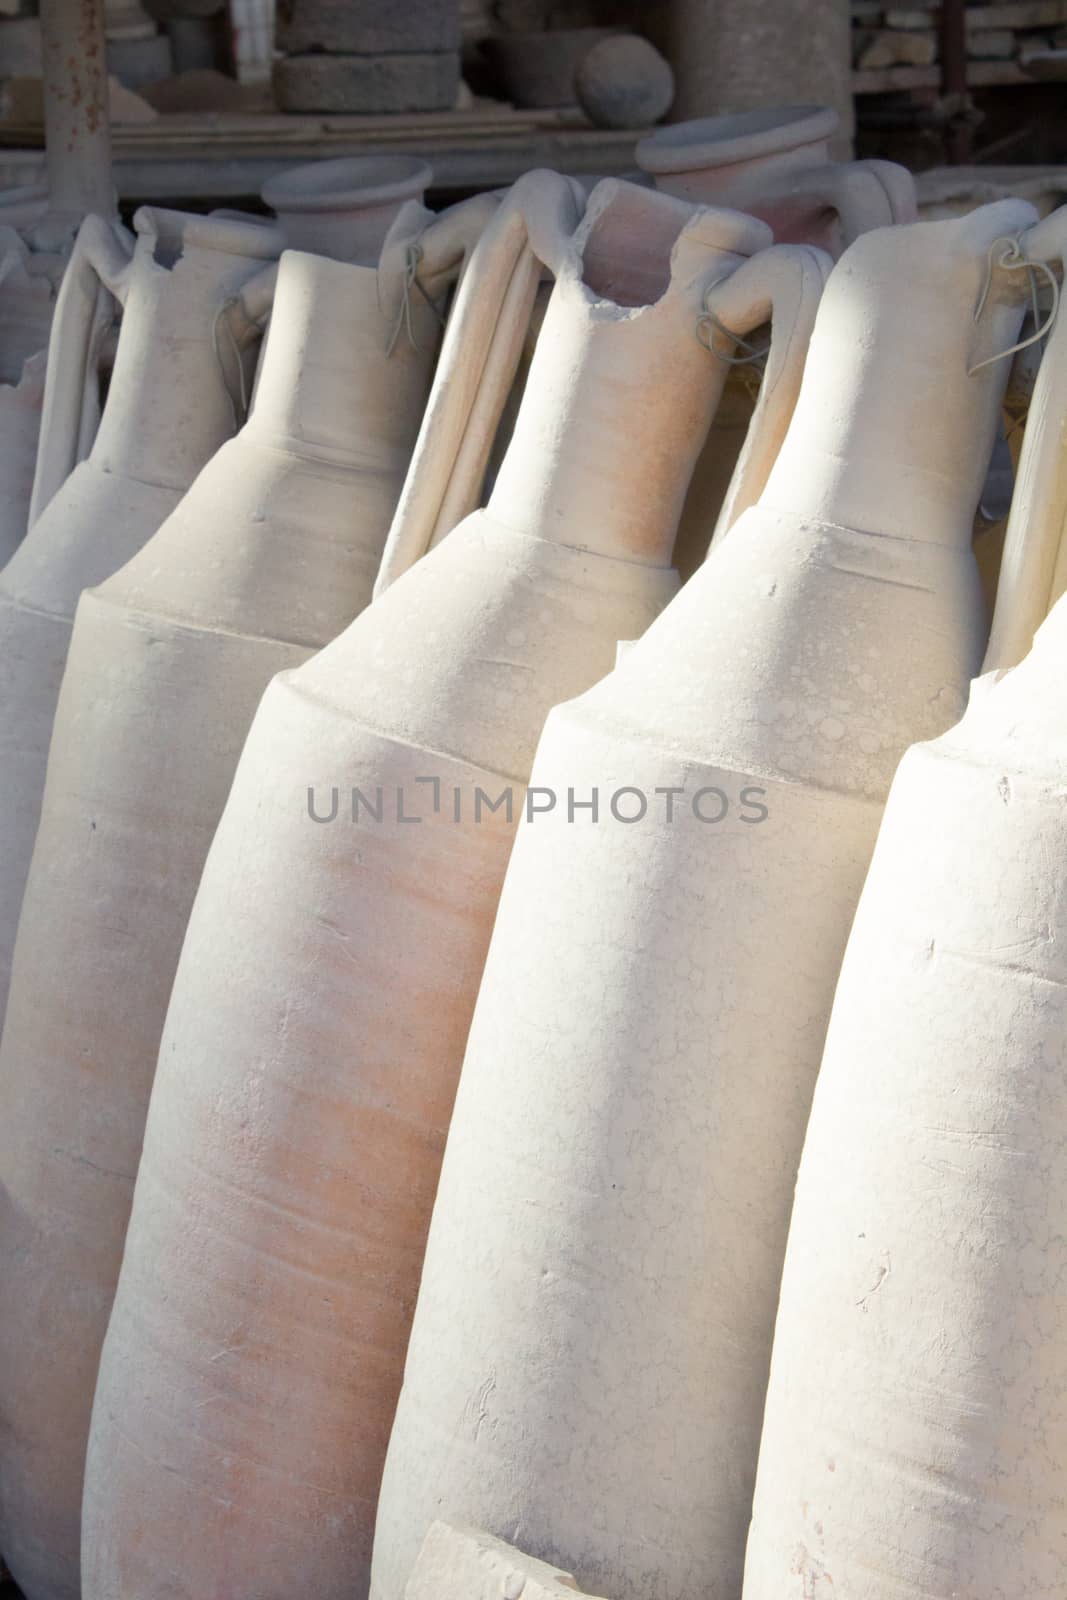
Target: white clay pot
328	976
915	1438
345	208
590	1349
270	554
917	1410
28	283
775	164
174	398
30	275
168	408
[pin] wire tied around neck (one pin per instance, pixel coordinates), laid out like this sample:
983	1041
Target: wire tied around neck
710	324
1013	259
238	406
412	262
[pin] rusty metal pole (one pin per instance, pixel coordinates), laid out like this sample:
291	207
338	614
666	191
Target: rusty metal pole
954	93
77	131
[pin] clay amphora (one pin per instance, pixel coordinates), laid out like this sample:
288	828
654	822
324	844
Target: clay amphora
915	1426
172	400
28	286
915	1439
345	208
272	551
174	397
35	249
775	164
590	1349
322	999
1033	567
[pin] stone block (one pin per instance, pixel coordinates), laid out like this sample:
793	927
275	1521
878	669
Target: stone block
458	1563
369	84
368	27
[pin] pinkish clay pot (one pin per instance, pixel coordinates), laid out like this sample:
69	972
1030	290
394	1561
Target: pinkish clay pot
915	1433
175	396
776	165
270	554
345	208
590	1350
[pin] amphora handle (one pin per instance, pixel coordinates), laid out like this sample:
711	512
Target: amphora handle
97	275
1033	569
782	285
863	194
478	362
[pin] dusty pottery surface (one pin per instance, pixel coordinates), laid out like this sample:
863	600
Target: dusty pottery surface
464	1564
345	208
168	408
266	559
20	422
915	1440
1033	570
327	979
774	164
29	282
173	400
590	1349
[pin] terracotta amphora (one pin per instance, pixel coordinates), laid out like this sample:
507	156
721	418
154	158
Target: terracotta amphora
175	395
269	555
345	208
35	249
915	1438
590	1349
28	285
774	164
322	1000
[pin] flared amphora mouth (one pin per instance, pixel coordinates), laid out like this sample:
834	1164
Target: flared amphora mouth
347	184
627	243
729	140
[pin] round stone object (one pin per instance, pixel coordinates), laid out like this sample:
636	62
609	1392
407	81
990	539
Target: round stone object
624	82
